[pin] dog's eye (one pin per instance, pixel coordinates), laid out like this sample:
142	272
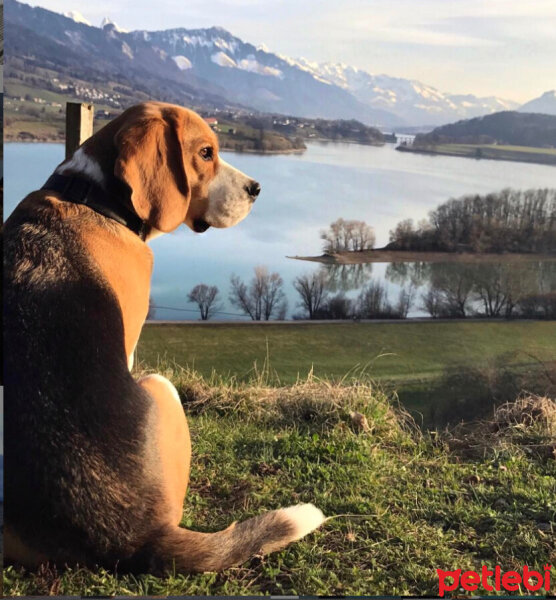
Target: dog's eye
206	153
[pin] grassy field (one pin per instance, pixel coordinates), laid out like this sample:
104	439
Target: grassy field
513	153
415	502
399	352
45	121
417	360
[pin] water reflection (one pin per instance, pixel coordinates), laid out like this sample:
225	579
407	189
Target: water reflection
506	289
346	278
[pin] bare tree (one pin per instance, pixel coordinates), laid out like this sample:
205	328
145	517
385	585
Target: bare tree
432	302
405	301
455	282
312	290
263	298
403	233
204	296
354	236
373	302
336	307
500	287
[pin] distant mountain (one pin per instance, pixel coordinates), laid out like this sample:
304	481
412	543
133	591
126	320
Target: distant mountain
415	102
504	128
255	77
544	104
44	48
213	68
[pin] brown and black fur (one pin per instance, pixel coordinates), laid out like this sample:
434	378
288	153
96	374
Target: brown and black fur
75	488
85	478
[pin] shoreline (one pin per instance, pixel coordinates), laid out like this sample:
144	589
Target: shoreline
523	158
263	152
328	140
222	148
404	256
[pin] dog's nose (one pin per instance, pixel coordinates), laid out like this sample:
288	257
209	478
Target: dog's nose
253	188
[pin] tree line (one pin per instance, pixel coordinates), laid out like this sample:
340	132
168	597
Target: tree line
262	298
507	127
506	221
495	290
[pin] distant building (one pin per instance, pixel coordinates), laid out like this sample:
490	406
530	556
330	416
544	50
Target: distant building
211	121
405	139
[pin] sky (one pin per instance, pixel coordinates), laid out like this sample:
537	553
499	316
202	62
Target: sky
504	48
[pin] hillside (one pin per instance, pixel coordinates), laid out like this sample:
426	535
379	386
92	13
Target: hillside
504	128
213	68
409	502
508	135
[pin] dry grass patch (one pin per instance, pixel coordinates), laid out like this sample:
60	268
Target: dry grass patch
527	425
309	402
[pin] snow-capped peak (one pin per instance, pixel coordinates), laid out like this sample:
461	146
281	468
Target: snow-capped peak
106	21
76	16
409	99
545	104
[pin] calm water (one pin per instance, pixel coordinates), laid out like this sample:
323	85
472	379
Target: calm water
301	195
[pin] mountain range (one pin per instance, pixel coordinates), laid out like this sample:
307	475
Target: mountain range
213	68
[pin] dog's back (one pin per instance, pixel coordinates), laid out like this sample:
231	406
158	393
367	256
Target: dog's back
74	486
97	463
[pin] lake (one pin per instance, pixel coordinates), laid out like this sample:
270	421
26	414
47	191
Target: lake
301	195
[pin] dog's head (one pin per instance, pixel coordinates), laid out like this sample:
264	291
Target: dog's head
168	156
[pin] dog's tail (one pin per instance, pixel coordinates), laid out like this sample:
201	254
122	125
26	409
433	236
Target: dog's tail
181	550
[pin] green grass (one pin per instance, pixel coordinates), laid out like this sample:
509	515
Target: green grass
399	352
419	502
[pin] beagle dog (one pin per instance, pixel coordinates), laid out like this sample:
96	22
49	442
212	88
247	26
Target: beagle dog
97	462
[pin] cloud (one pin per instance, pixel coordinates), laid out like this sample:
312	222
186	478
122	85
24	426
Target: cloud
425	35
455	23
504	47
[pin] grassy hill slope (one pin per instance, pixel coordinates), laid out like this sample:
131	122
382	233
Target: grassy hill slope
416	503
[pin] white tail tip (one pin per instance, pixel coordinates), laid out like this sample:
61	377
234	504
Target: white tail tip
304	517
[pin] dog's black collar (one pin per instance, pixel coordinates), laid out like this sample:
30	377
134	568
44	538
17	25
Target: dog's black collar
83	191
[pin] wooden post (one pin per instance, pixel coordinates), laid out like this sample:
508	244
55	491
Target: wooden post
79	125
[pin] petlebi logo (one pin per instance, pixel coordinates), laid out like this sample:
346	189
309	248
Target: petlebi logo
490	580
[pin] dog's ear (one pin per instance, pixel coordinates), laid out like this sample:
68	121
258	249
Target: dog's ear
150	161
